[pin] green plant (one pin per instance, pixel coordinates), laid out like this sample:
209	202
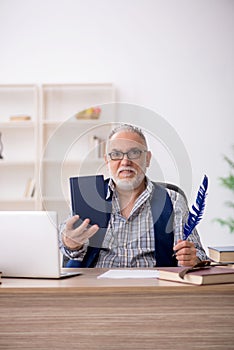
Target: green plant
228	182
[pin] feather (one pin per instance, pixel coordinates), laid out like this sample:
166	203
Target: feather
196	213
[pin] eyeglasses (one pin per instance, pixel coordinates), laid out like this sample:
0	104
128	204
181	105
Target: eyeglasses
132	154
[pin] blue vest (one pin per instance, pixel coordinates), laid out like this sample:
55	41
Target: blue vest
163	215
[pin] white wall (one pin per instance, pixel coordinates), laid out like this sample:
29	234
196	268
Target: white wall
173	57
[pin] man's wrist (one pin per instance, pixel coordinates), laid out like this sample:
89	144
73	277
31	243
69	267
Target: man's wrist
68	245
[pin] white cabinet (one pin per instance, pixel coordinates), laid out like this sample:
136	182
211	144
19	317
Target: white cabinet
19	164
54	145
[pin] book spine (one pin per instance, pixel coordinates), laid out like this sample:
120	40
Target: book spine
73	202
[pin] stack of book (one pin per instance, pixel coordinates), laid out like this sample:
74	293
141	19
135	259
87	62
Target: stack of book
210	273
223	254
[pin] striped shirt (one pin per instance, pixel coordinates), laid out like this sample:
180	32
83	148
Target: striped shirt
129	242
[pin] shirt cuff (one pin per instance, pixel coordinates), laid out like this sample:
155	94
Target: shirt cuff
76	254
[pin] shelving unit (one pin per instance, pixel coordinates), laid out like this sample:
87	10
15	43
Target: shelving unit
54	145
19	145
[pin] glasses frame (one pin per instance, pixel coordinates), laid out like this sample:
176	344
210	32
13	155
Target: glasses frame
127	154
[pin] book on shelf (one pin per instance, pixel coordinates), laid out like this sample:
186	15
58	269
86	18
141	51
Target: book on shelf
30	188
202	276
222	253
15	118
98	145
0	277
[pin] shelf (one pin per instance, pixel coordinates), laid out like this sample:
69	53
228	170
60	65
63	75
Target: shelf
16	100
53	132
17	124
71	122
55	199
73	161
63	101
17	86
18	162
17	200
18	204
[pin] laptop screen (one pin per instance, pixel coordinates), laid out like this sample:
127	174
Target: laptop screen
29	244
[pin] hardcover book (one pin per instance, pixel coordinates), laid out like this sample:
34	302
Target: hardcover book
222	253
210	275
20	117
88	201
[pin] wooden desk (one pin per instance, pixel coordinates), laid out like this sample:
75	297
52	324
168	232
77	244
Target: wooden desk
88	313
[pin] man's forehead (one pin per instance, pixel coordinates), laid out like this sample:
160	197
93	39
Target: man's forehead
122	143
126	140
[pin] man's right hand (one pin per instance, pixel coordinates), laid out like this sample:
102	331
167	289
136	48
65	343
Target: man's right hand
74	238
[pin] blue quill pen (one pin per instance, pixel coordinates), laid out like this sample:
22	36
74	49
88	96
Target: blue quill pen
198	209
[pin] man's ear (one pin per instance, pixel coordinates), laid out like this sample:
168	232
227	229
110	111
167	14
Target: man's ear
148	158
106	159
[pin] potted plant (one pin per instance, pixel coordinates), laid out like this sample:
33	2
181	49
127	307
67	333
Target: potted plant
228	183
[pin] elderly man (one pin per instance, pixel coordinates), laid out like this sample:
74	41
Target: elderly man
137	235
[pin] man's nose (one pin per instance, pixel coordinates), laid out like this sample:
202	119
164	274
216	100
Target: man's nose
125	158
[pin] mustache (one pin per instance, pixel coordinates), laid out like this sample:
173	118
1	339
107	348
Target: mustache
126	168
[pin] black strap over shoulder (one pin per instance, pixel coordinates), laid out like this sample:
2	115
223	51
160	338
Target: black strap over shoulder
163	217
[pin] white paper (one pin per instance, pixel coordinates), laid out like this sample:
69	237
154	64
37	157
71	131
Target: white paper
128	273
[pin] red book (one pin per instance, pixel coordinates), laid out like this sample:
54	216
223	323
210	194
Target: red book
211	275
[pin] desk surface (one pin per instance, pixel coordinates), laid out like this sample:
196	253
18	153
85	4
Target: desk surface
88	282
87	313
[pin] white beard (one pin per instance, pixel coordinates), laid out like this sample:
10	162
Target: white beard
128	183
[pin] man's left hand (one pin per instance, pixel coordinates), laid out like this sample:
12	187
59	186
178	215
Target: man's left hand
186	253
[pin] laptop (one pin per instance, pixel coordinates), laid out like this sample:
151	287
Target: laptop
29	246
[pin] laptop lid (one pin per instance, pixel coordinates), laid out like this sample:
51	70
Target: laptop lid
29	244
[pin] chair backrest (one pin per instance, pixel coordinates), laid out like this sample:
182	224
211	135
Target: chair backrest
174	188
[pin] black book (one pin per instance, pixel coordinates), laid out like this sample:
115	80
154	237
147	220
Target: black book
88	201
